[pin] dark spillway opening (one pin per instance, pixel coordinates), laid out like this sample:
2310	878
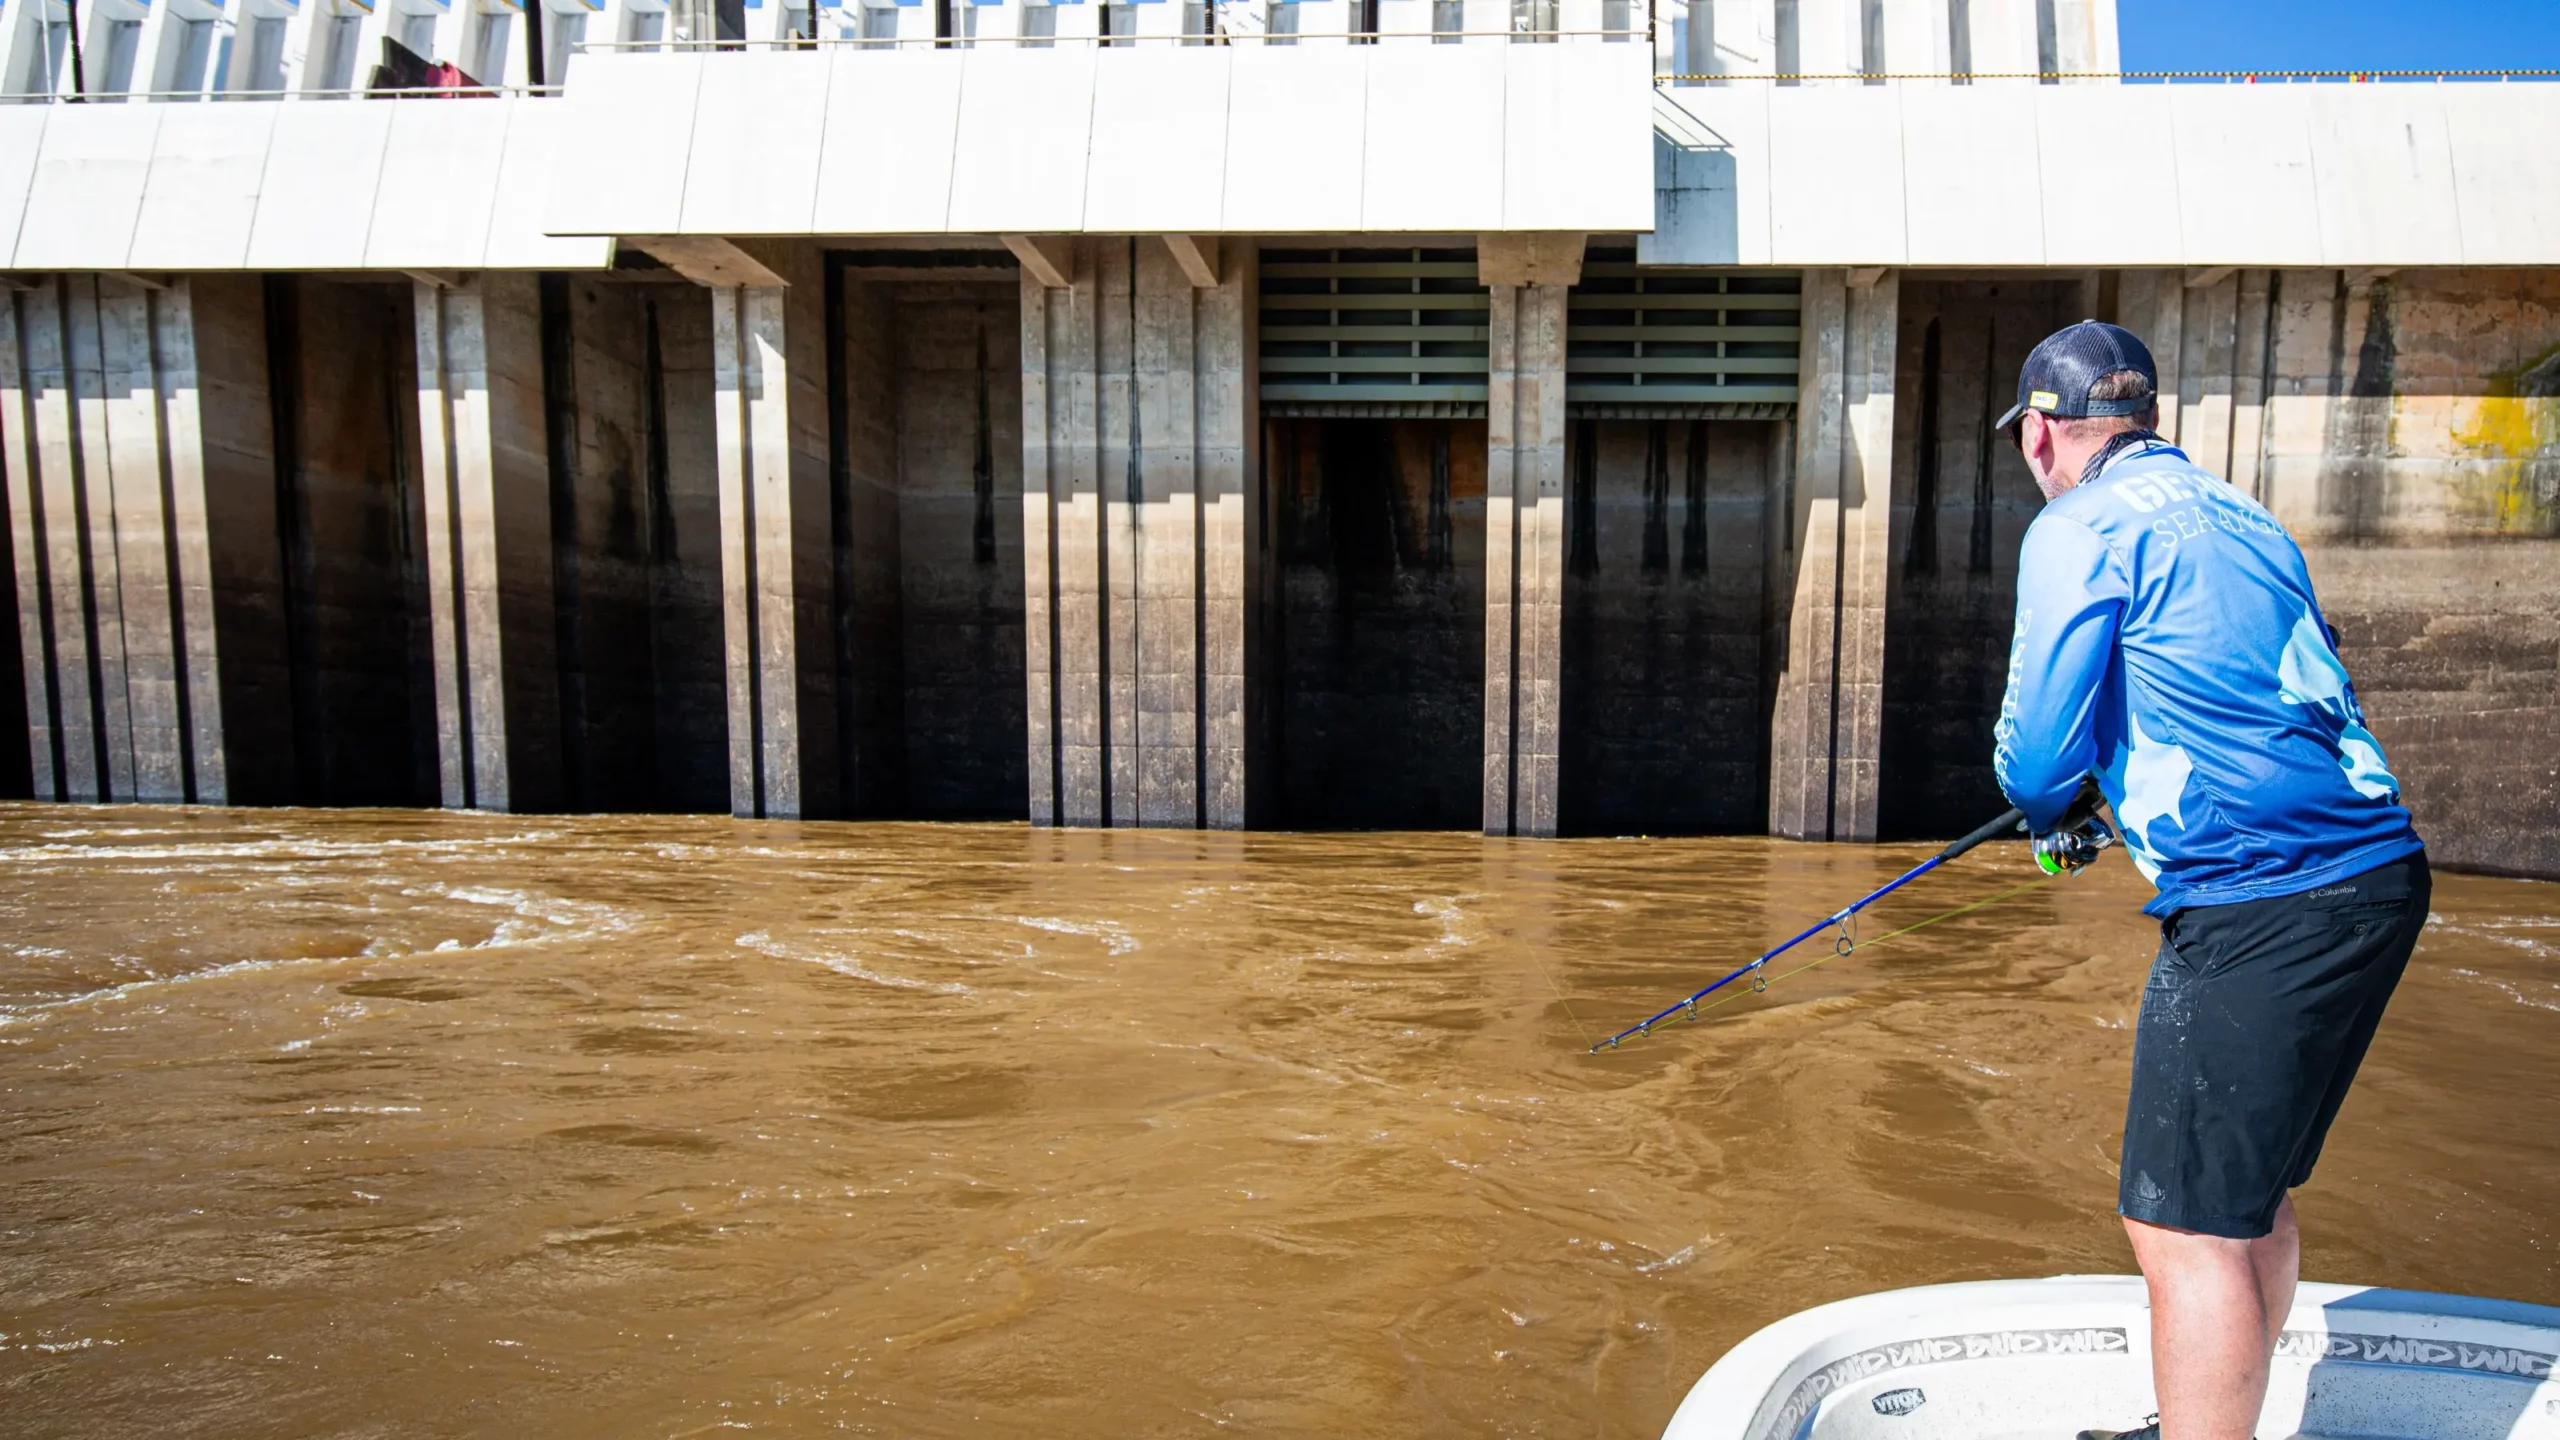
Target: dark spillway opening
635	546
1963	501
1663	721
925	439
329	691
1378	653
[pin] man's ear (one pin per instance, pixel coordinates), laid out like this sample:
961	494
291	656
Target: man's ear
2034	433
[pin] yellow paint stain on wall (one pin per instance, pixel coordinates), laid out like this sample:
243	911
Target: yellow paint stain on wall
2518	438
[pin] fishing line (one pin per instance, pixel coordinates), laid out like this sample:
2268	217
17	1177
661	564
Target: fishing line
1561	999
2007	894
1843	922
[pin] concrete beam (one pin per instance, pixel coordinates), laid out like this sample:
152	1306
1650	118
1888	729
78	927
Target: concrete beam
1044	258
1198	257
706	260
1536	257
437	279
2208	276
992	264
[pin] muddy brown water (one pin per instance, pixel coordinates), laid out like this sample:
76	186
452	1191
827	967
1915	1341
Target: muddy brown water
399	1123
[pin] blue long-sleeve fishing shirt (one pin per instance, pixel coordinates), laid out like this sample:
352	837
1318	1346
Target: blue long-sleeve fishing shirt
2168	643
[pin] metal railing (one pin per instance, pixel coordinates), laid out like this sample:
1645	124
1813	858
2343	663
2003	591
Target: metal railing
215	97
966	42
2170	77
829	42
1231	37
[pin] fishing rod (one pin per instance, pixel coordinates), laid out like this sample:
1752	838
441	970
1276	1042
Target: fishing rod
2077	845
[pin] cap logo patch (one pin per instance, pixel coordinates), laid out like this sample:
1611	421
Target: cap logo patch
2044	400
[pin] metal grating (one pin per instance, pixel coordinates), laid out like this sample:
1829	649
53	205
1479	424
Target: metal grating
1400	331
1646	341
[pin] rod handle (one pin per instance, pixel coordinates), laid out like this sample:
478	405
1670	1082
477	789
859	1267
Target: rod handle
2009	821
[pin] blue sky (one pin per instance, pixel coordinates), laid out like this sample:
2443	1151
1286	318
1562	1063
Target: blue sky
2339	34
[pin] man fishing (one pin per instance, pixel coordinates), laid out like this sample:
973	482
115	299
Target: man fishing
2168	645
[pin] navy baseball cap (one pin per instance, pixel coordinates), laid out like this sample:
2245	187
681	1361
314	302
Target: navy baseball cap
2060	371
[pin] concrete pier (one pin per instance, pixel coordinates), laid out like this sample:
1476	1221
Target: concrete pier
132	493
490	581
777	567
1530	277
1826	726
1138	398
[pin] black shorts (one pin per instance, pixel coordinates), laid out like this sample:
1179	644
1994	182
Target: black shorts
2253	1024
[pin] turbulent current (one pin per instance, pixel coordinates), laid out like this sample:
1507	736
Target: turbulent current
420	1124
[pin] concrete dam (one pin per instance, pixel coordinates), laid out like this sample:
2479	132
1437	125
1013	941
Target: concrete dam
1296	415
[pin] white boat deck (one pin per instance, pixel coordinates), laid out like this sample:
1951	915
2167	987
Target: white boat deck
2042	1359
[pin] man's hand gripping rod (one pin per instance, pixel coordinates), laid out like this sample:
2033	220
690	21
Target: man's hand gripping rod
2069	848
2074	844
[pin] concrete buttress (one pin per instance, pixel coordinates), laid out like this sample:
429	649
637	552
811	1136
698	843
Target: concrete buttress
1826	726
1137	396
1524	556
776	544
113	532
488	532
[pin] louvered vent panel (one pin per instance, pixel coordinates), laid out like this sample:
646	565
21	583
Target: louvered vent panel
1373	331
1647	342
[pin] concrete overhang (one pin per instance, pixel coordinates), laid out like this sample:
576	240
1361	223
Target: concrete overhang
962	147
305	185
2107	175
1199	141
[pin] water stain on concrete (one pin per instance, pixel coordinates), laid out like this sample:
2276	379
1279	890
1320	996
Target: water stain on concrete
2517	490
2515	429
2354	482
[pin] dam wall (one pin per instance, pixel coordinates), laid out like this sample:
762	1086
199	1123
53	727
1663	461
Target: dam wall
2406	427
1112	429
2402	425
271	557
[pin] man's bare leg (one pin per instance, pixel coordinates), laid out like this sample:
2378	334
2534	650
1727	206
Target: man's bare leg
2217	1306
2277	1257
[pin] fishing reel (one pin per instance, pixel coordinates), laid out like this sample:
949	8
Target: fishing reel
2083	834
